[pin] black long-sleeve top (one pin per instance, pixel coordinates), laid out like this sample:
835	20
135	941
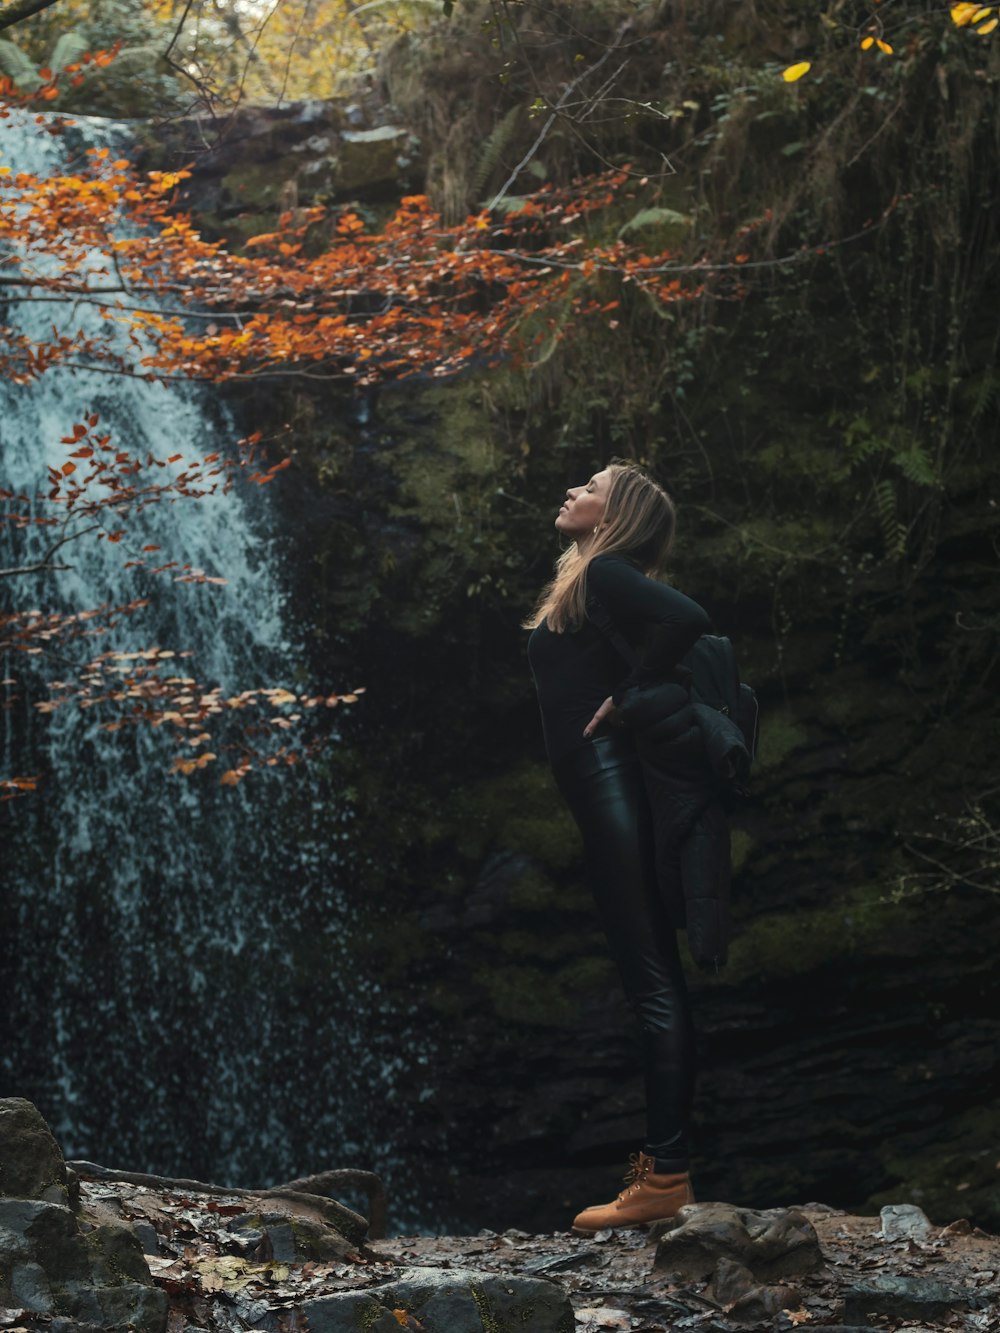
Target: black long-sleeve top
576	671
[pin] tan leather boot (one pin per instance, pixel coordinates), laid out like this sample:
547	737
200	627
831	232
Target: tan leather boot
647	1197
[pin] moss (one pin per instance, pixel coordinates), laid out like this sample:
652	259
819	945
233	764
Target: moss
368	1315
780	735
741	844
518	809
258	186
519	993
955	1176
806	940
487	1315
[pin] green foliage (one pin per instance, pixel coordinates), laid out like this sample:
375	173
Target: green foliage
497	142
893	531
137	82
669	226
19	67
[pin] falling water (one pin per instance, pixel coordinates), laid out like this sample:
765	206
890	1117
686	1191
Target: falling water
180	990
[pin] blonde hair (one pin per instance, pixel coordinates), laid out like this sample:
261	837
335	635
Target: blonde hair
638	522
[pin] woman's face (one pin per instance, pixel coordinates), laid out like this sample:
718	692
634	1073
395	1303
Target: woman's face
583	507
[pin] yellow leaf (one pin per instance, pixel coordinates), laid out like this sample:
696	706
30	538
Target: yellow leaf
795	72
961	15
883	46
230	778
867	43
987	27
982	14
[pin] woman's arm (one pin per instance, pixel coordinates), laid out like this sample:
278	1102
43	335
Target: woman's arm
672	621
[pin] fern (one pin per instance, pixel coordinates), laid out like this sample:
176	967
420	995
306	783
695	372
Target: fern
138	57
987	393
916	465
493	149
860	440
655	217
894	532
19	67
511	203
67	50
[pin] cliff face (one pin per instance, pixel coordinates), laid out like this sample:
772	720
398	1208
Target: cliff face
830	435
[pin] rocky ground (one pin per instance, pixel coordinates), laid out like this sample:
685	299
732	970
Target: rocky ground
86	1248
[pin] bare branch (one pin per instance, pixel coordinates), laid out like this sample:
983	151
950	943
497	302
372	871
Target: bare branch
553	117
69	537
44	565
30	569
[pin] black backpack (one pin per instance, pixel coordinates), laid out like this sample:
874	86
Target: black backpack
726	708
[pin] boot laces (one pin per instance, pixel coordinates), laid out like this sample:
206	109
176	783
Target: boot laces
640	1165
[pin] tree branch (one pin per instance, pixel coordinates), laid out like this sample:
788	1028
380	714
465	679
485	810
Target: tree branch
44	565
17	10
30	569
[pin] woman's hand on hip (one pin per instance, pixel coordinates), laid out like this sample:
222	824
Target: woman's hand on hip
604	713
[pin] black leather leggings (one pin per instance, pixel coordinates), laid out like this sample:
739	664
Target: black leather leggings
602	784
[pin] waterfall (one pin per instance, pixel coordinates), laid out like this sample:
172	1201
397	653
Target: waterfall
181	993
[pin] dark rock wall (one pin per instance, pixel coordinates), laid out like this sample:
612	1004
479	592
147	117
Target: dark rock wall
830	434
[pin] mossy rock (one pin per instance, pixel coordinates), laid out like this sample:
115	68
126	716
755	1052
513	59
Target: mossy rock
789	944
258	187
537	997
369	159
116	1255
31	1162
955	1176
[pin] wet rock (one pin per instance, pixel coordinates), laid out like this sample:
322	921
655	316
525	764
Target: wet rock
369	159
902	1297
730	1281
29	1288
315	1207
48	1265
774	1243
762	1302
298	1239
444	1301
905	1221
271	159
31	1163
145	1234
745	1299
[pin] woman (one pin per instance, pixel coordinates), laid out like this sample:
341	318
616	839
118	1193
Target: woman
620	525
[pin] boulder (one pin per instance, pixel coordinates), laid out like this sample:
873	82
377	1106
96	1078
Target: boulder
50	1265
905	1221
291	1238
745	1299
902	1298
317	1208
452	1300
31	1163
771	1244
